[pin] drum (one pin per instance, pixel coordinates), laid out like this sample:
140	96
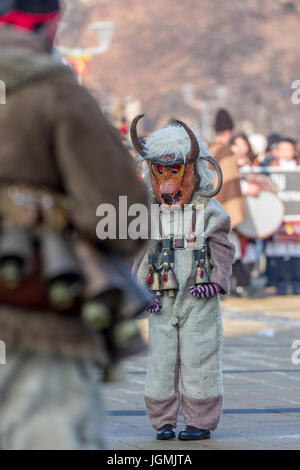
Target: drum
265	214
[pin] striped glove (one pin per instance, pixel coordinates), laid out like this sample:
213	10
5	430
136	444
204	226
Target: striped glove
156	306
205	291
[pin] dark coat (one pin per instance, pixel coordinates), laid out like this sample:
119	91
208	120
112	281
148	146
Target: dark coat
53	134
230	195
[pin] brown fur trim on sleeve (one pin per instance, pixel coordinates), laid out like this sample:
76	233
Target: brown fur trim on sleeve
221	254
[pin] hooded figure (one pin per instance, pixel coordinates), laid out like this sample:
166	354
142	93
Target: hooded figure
56	147
188	264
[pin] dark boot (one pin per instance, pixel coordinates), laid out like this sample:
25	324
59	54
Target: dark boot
193	434
166	432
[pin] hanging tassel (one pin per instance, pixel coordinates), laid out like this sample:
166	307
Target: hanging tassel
165	275
150	278
202	261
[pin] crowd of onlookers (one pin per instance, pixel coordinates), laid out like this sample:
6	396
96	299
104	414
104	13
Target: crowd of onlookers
280	253
272	261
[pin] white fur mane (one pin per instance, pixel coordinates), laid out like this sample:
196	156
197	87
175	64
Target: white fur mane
174	140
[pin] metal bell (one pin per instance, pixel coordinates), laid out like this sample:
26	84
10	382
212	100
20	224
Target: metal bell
109	279
15	255
124	331
199	276
156	283
96	315
135	297
169	282
61	270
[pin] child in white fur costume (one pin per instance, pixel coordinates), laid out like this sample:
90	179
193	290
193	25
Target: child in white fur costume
185	325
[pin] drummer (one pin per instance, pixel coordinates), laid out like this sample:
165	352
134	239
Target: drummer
230	195
283	249
245	159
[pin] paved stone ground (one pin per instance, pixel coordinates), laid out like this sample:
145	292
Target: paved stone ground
262	385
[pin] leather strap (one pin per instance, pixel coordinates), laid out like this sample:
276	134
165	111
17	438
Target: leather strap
200	254
167	252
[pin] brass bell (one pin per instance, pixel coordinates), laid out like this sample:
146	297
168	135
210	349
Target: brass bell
156	283
198	276
135	297
199	273
96	315
169	282
61	270
15	255
124	331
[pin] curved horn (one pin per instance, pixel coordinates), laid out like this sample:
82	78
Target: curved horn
195	150
136	141
217	167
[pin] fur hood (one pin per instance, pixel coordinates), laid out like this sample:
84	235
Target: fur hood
172	140
23	60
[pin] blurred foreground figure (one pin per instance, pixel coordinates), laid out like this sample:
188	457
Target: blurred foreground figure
67	301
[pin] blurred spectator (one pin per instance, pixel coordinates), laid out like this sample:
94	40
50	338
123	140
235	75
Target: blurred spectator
242	150
285	153
230	195
252	184
297	145
283	249
272	140
258	144
123	128
245	159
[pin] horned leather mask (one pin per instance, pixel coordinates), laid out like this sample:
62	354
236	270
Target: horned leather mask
175	181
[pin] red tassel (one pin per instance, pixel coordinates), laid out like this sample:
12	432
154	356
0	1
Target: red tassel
149	280
165	276
201	273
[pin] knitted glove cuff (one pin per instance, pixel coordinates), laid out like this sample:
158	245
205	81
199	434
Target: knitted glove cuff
205	291
156	306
